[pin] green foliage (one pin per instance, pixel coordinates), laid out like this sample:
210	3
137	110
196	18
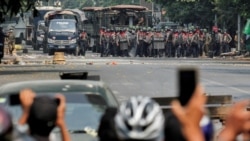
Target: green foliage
13	7
202	12
199	12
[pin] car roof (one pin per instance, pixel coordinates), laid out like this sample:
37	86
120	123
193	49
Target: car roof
52	86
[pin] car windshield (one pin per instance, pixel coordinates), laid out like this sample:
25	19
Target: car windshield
62	26
82	110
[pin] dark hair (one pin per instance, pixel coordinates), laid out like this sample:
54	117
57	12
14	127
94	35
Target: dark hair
106	130
42	116
173	128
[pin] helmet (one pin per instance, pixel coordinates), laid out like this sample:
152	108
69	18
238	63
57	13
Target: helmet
140	118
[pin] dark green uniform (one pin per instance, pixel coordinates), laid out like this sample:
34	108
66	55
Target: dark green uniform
11	42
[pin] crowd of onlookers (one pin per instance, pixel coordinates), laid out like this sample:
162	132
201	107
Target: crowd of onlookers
138	119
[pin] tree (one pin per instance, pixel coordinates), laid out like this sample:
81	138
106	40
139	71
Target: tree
189	11
13	7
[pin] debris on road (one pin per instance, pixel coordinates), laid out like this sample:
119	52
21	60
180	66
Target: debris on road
111	63
59	58
89	63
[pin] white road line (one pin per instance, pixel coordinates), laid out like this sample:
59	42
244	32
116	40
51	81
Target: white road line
230	87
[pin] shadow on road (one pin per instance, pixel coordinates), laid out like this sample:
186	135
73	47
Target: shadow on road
20	72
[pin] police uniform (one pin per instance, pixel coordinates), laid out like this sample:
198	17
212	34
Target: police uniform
208	40
113	43
179	44
2	39
106	43
84	43
102	40
123	42
225	42
159	43
11	41
169	43
132	40
217	43
148	43
140	42
189	49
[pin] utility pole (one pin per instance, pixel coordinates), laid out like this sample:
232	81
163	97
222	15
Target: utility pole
238	32
215	20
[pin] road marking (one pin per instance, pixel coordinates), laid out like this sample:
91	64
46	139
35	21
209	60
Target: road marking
230	87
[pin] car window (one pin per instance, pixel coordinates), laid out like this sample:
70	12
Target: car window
62	26
82	110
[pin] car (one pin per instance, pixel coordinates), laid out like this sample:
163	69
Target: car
86	102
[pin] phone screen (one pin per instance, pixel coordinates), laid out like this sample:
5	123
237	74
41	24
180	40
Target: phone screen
187	84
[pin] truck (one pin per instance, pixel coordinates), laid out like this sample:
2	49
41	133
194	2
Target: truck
65	19
62	35
41	10
92	25
113	17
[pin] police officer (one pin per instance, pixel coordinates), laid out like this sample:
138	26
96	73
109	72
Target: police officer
139	41
132	40
102	40
2	39
158	43
106	43
208	39
169	42
11	41
113	42
226	39
148	43
217	42
124	42
195	43
84	42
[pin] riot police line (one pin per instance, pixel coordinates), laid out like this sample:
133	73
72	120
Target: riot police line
152	42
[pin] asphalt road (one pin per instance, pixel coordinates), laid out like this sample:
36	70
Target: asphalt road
152	77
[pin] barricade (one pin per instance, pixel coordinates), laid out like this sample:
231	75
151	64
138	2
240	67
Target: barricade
218	105
59	58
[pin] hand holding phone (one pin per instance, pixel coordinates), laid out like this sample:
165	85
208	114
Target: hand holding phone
187	81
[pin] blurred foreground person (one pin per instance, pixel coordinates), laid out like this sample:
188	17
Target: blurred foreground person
237	122
139	119
174	127
106	130
6	126
42	114
191	115
9	132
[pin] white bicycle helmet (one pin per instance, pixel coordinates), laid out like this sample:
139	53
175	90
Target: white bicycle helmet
139	118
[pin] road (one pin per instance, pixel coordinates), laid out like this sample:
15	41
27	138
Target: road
138	76
153	77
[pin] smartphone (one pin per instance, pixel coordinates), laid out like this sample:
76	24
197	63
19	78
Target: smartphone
14	99
188	79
